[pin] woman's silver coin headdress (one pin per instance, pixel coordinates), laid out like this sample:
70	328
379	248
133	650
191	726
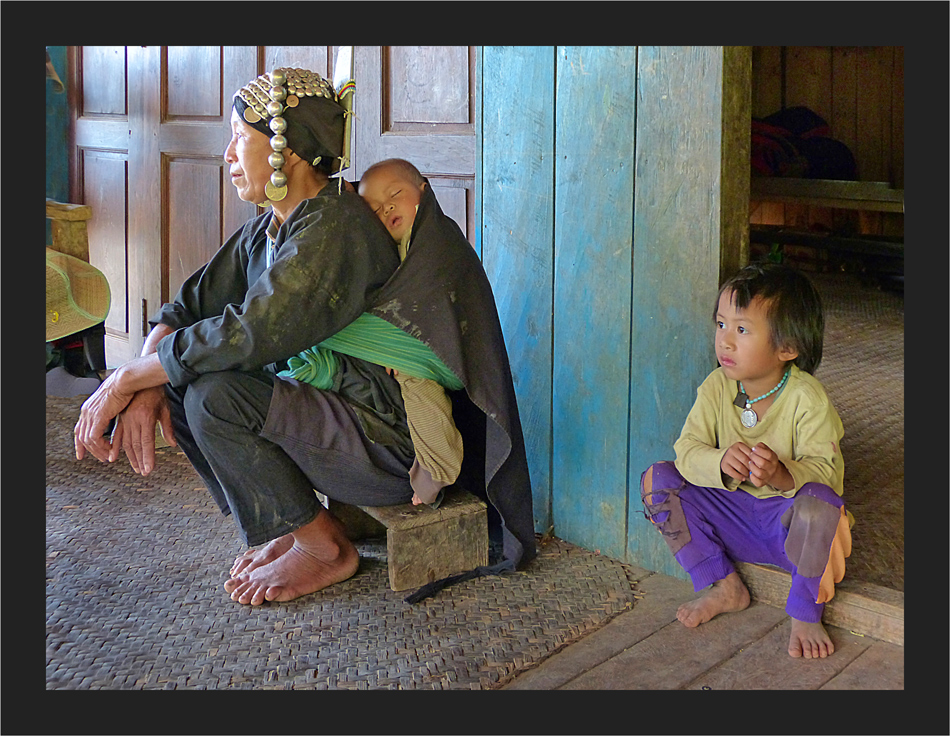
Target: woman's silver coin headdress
267	99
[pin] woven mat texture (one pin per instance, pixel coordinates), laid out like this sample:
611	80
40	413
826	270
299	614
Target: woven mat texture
863	373
135	568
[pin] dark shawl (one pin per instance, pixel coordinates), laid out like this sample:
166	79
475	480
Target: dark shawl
441	295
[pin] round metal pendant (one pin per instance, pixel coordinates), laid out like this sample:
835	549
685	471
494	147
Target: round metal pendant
274	194
250	116
748	418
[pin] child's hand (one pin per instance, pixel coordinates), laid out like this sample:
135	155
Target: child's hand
416	500
765	468
735	463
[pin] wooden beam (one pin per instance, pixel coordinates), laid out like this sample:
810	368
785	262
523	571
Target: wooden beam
734	175
863	608
874	196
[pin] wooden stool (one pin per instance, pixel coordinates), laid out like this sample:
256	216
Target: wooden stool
423	544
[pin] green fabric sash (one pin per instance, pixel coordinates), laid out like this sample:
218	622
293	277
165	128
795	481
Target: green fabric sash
375	340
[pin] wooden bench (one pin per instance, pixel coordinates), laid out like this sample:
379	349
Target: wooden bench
863	196
870	196
423	544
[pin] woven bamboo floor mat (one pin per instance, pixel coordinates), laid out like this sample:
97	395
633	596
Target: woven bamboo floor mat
134	598
135	566
863	373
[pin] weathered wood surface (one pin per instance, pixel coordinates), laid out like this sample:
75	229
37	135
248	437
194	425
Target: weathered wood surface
517	236
677	252
604	235
862	607
423	544
646	648
593	265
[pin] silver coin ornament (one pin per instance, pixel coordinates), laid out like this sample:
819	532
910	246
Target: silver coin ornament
274	194
748	418
269	96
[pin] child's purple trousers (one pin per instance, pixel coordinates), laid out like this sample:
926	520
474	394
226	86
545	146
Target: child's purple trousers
707	529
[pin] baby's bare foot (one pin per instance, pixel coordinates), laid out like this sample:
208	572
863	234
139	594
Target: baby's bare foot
726	595
255	558
809	640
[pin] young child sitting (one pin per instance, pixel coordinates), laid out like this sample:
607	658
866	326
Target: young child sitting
393	189
758	474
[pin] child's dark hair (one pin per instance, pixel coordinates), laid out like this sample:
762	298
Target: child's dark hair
793	306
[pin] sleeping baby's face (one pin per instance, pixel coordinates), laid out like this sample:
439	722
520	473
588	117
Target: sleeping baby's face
393	198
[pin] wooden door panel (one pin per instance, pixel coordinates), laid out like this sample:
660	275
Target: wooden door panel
193	79
313	58
103	80
193	219
417	103
455	197
104	174
99	174
427	86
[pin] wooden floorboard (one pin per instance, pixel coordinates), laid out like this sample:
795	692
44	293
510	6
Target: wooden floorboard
675	655
766	665
646	648
879	667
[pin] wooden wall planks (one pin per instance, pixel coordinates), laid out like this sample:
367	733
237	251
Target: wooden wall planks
516	236
600	229
859	91
593	263
676	261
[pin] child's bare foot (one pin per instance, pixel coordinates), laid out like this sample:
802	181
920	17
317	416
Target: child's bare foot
726	595
320	556
810	641
255	558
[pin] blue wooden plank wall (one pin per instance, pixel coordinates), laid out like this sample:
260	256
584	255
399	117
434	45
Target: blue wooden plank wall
516	176
57	122
593	241
676	261
598	226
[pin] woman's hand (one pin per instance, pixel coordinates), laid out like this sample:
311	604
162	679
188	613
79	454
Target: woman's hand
134	430
114	395
94	417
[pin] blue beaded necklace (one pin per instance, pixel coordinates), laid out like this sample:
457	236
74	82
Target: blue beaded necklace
748	417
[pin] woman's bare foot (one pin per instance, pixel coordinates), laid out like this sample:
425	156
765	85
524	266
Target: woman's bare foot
255	558
810	641
726	595
320	556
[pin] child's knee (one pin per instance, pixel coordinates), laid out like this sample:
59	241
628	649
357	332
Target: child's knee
812	522
659	491
662	476
821	492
